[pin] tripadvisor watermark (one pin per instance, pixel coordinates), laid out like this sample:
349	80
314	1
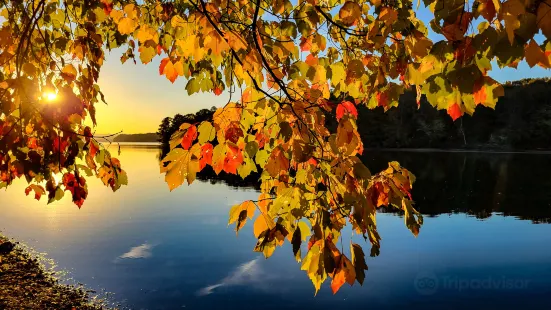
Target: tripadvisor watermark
427	283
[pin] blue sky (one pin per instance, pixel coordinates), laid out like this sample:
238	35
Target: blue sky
139	98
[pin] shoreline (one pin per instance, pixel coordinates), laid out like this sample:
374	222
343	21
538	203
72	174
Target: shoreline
25	283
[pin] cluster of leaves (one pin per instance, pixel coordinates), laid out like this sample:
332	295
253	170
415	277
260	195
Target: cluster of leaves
285	58
50	55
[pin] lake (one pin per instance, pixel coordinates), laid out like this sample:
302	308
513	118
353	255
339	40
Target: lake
485	243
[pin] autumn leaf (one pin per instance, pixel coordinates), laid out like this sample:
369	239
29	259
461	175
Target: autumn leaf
180	165
455	111
277	163
38	191
206	155
349	13
346	107
543	13
69	73
170	70
535	55
219	158
344	273
206	132
260	225
189	137
358	260
126	25
488	9
239	214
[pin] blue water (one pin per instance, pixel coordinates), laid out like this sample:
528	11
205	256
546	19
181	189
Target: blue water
155	249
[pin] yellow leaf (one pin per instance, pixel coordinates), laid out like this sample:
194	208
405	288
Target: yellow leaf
116	15
179	165
146	54
260	225
338	73
510	11
187	45
130	10
304	230
126	25
69	73
146	33
240	212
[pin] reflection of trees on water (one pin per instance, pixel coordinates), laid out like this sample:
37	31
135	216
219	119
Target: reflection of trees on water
479	184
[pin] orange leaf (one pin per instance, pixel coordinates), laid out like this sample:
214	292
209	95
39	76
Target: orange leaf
305	44
479	92
338	280
167	68
163	65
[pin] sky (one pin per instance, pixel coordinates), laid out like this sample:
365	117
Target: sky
139	98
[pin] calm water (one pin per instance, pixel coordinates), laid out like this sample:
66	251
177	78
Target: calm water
485	242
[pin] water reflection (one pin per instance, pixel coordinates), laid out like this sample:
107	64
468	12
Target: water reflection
249	273
141	251
478	184
160	250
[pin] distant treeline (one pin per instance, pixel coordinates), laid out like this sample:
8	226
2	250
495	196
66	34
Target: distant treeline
140	137
520	121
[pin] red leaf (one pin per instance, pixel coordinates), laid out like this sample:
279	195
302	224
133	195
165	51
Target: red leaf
189	137
234	132
206	155
346	107
31	143
261	139
382	99
217	91
107	7
38	191
455	111
93	150
76	187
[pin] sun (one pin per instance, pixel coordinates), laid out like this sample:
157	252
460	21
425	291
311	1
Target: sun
49	96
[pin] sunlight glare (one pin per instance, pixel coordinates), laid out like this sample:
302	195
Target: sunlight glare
50	96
